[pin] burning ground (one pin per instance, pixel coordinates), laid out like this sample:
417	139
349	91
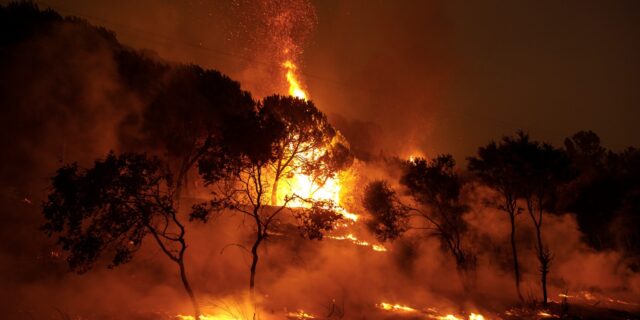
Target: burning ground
72	93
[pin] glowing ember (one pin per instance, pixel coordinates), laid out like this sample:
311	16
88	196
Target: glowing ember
350	216
472	316
353	239
592	297
431	313
544	314
395	307
588	295
295	89
300	315
207	317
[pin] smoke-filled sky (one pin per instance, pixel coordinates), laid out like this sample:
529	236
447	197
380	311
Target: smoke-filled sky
439	77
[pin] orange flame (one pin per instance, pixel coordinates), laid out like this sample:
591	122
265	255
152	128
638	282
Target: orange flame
476	316
301	184
300	314
395	307
431	313
353	239
207	317
295	89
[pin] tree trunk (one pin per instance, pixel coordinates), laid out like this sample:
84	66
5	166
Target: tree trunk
274	192
187	287
182	174
254	266
543	256
179	259
544	264
544	272
516	266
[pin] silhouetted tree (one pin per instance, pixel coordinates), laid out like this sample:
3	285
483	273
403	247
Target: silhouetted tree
319	217
603	196
544	170
110	208
596	192
625	166
585	151
498	165
389	215
436	186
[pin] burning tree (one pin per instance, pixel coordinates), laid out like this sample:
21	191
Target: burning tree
310	145
110	208
245	186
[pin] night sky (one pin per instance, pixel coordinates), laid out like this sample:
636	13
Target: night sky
437	77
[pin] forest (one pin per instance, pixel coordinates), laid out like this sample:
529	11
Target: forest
140	188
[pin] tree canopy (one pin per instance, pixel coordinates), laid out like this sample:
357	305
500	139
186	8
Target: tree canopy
109	208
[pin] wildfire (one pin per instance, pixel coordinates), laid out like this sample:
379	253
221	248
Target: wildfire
476	316
295	89
431	313
414	155
304	185
207	317
472	316
300	315
395	307
544	314
588	296
355	240
297	315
